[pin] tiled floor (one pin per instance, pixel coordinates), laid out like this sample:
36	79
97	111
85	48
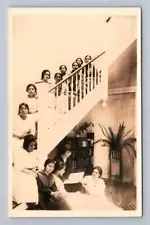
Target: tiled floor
123	196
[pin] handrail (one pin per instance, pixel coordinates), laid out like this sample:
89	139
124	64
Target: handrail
62	81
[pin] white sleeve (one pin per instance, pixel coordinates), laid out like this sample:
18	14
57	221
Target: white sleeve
60	185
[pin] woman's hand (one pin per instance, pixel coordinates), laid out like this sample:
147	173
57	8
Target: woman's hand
24	134
56	194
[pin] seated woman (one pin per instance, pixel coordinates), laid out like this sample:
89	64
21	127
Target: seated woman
24	124
49	196
32	99
94	185
25	191
64	157
58	173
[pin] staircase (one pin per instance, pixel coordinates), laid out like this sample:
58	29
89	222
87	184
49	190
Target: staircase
81	90
75	96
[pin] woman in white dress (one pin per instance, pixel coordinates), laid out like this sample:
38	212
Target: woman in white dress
24	124
58	173
46	100
24	174
95	187
32	99
60	93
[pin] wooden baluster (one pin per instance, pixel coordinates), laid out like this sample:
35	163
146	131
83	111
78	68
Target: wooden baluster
100	75
66	94
92	78
95	76
69	93
87	78
81	86
85	83
76	88
72	94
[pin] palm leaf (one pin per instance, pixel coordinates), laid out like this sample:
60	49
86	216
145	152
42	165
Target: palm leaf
130	140
104	131
120	133
126	145
127	133
129	153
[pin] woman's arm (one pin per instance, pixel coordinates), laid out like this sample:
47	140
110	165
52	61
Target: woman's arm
29	171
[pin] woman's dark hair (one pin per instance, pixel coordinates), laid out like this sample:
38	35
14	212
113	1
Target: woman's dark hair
64	66
66	148
48	161
23	104
31	85
59	165
43	73
74	63
99	170
80	59
88	56
27	141
57	74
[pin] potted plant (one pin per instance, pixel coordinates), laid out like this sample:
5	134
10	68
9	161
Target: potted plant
82	129
116	143
81	132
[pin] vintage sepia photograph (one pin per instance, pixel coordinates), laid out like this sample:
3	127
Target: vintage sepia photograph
74	112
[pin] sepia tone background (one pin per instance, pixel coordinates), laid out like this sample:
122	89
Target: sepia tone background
38	42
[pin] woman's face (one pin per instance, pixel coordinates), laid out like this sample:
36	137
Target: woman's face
58	77
87	59
68	154
32	146
61	172
95	173
63	69
75	66
31	91
23	110
79	61
46	76
49	168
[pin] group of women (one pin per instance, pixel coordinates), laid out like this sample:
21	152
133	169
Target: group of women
43	189
35	187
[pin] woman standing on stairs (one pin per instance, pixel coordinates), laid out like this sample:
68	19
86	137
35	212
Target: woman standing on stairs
47	100
60	94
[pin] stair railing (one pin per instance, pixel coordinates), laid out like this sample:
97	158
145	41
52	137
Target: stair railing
75	86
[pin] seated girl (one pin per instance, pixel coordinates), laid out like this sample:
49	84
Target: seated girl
58	173
24	172
49	196
94	185
24	124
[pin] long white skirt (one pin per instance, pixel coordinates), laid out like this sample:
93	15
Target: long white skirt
24	187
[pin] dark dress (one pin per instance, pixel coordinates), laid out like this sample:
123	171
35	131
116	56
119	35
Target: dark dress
46	185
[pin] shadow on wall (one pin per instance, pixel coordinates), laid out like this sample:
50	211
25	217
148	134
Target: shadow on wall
122	73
